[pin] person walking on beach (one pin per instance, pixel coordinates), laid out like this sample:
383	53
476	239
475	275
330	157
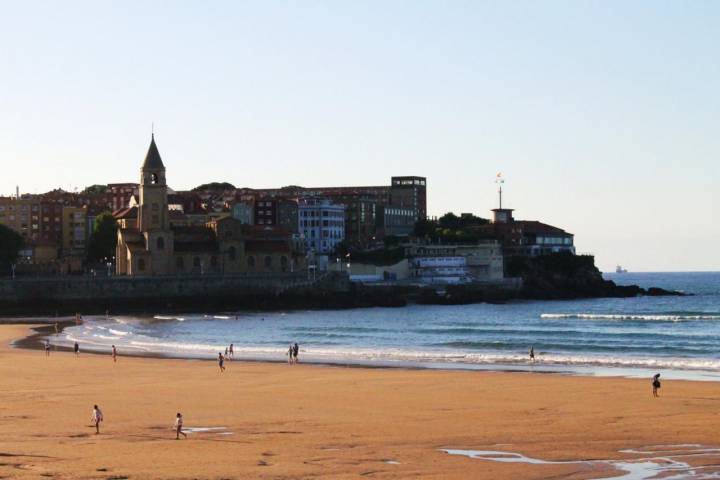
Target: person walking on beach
656	384
295	350
76	348
232	351
221	362
290	354
532	353
96	418
178	427
56	328
47	348
114	354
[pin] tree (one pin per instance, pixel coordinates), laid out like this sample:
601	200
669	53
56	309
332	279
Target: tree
449	221
10	244
424	228
95	189
103	239
214	187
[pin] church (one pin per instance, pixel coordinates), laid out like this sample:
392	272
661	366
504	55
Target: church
154	240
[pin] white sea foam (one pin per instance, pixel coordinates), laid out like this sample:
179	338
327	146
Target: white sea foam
634	317
661	465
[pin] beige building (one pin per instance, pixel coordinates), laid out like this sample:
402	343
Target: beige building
22	215
154	240
482	260
74	230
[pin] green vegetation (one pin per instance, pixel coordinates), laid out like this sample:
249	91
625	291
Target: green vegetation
10	244
214	186
451	229
103	240
95	189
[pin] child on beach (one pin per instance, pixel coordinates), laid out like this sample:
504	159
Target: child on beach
221	362
114	353
290	354
96	418
47	348
178	427
76	348
656	384
295	350
532	353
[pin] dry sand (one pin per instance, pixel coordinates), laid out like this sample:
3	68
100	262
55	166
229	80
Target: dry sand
324	422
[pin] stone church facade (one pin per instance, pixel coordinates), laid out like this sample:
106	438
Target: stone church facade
153	240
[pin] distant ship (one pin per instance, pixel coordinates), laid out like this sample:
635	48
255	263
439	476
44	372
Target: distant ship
620	269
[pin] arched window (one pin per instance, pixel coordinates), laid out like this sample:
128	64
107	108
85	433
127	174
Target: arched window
284	263
196	262
180	263
161	243
141	264
232	253
268	261
213	261
154	178
251	261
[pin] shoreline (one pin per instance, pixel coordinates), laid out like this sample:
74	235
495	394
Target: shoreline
281	421
37	332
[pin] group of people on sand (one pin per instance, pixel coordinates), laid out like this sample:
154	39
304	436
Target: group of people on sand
292	353
97	417
229	355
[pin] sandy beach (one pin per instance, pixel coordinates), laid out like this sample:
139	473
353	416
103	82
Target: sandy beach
280	421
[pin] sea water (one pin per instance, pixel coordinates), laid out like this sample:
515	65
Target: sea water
678	336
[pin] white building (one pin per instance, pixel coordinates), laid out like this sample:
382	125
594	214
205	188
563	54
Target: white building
440	269
321	223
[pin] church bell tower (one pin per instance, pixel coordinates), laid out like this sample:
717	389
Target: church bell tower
153	216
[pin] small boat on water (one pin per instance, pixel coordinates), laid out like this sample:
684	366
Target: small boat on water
620	269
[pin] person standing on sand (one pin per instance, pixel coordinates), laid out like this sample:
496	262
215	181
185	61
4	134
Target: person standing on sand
290	354
656	384
47	348
232	351
295	350
178	427
221	362
96	418
56	328
114	354
532	353
76	348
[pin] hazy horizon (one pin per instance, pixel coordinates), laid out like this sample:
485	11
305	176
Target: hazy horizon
602	116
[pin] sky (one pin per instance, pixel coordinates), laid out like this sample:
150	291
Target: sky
603	116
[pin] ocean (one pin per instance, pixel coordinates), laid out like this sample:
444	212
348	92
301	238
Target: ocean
678	336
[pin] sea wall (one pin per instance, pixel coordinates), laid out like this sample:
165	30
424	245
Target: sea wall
68	294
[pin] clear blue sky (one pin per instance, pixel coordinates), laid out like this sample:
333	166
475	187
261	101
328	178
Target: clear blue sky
603	115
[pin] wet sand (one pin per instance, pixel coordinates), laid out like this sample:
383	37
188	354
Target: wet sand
303	421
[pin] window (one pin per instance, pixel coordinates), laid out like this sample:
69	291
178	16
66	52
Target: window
228	234
155	219
154	179
232	253
180	263
155	207
161	243
141	264
268	261
283	263
251	261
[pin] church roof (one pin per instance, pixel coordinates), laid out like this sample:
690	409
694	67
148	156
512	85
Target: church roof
152	159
